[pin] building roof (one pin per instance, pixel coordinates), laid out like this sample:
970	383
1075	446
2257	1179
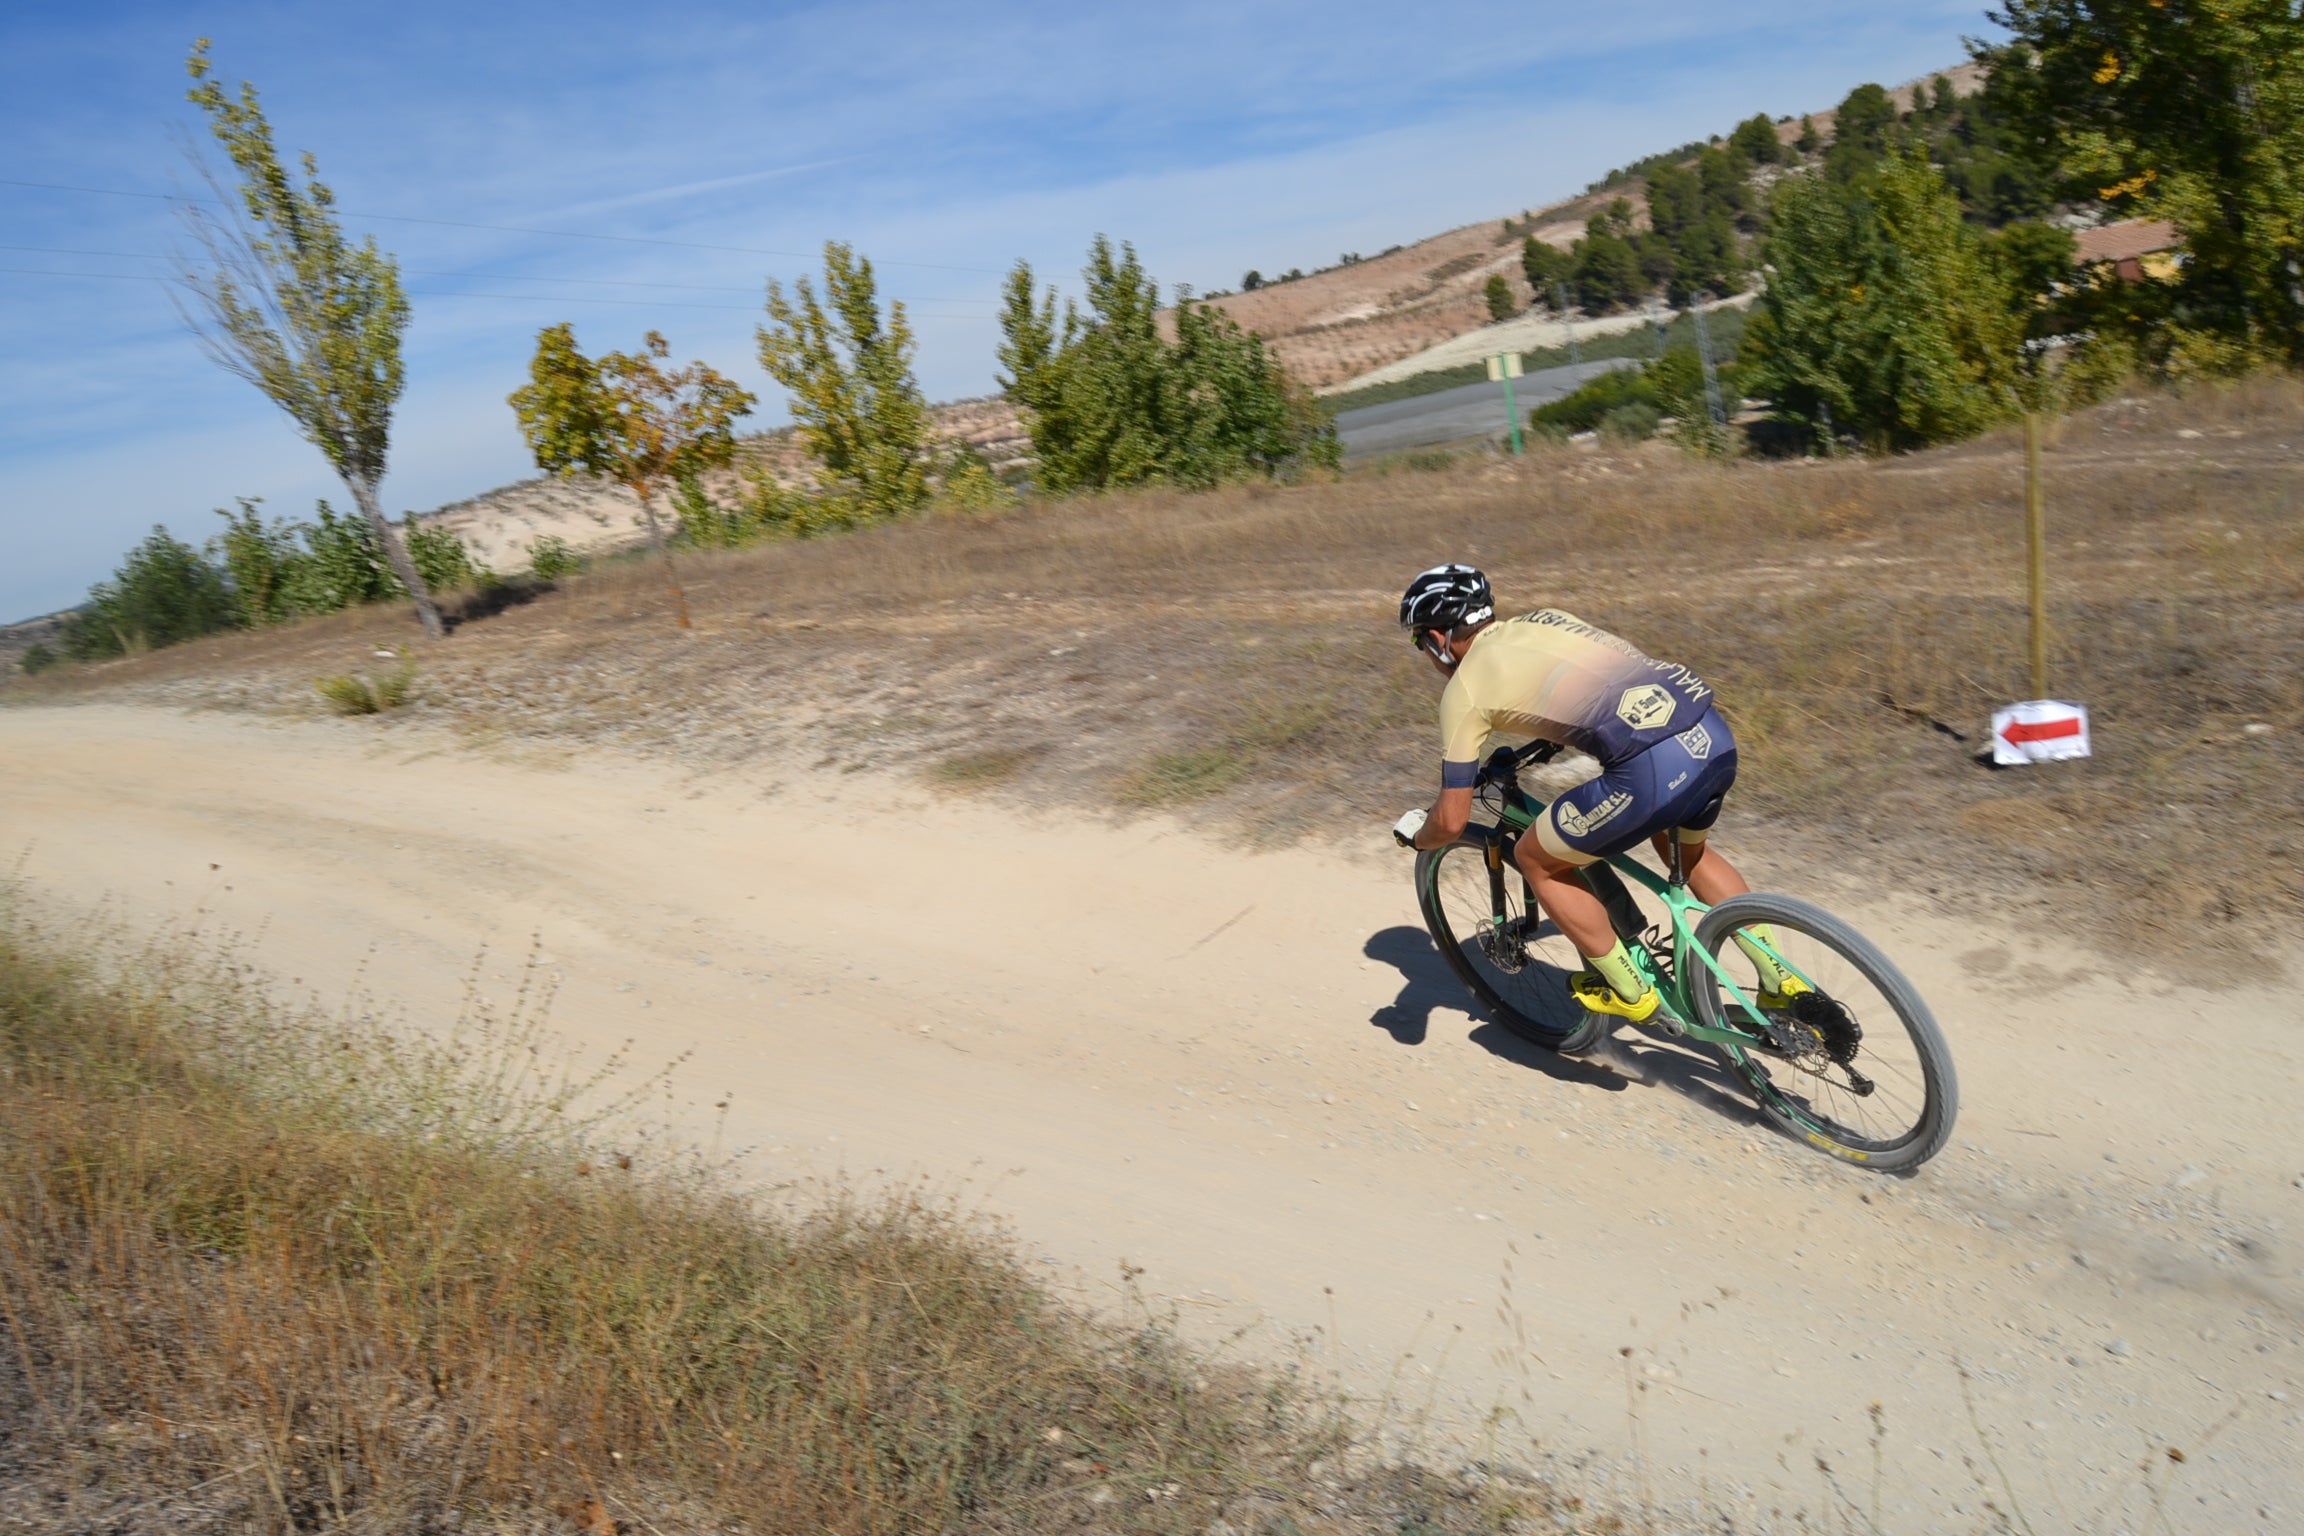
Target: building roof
2125	241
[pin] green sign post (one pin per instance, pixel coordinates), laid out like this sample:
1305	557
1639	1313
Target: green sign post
1505	366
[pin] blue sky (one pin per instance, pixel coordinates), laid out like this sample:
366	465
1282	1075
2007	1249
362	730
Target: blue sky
680	154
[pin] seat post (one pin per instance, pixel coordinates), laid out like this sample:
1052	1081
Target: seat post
1679	866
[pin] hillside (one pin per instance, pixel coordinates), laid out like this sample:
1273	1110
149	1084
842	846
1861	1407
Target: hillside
1334	326
1412	309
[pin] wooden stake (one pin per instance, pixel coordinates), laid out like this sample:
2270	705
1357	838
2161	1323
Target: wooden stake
2036	541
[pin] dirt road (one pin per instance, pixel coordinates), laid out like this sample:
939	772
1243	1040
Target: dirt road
1248	1073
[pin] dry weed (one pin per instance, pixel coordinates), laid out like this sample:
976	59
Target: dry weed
264	1270
1235	650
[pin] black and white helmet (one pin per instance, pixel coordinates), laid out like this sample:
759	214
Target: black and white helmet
1446	597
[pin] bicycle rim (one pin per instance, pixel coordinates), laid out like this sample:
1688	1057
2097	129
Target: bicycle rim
1867	1078
1519	975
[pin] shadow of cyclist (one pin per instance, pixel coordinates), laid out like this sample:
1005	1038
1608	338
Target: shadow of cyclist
1426	983
1642	1054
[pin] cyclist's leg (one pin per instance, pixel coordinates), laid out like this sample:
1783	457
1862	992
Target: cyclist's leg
1710	875
1584	825
1565	898
1708	753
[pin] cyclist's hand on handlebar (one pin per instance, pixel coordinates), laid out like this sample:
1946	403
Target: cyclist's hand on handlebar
1405	829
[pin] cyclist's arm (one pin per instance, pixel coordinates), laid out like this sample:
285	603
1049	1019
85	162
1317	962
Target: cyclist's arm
1450	815
1463	727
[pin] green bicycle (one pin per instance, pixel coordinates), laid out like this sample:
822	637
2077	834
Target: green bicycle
1853	1064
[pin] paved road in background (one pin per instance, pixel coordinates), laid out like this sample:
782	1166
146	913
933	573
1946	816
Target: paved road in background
1469	410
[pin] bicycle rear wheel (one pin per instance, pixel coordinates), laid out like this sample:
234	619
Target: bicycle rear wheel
1857	1069
1513	961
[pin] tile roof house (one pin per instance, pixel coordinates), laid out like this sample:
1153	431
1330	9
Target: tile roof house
2136	248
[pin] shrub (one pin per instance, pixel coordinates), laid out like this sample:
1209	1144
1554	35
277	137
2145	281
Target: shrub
1632	422
358	695
163	593
443	559
339	1277
550	558
342	566
1596	397
39	658
259	559
1498	294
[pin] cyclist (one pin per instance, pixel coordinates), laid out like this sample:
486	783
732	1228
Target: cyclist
1666	762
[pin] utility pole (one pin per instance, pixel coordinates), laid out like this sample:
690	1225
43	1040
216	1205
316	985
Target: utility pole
1711	375
1560	303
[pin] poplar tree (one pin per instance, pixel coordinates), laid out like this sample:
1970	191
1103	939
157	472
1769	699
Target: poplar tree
282	299
857	403
1111	402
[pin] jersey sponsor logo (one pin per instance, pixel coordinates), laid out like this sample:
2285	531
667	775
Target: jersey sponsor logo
1697	742
1692	687
1676	783
1578	823
1645	707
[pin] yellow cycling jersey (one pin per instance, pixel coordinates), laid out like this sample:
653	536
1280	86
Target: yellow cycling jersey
1551	676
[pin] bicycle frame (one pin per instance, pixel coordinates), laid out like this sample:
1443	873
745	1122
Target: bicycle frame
1518	810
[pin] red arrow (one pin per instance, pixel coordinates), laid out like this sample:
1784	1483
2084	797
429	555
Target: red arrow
2016	733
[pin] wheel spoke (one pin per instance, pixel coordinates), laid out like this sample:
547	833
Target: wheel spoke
1845	1066
1526	966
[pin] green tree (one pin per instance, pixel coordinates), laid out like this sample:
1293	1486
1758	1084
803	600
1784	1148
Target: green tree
1861	129
1692	246
628	418
1543	264
283	300
443	558
1755	141
859	408
1497	294
1230	411
1110	402
1808	141
2187	110
341	566
1881	313
1605	272
163	593
2003	170
260	562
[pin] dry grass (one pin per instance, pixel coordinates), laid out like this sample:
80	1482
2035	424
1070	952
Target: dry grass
1235	652
268	1271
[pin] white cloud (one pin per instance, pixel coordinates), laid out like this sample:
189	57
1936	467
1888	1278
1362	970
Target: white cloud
1216	136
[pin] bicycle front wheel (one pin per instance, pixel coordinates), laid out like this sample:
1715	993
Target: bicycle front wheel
1499	945
1857	1066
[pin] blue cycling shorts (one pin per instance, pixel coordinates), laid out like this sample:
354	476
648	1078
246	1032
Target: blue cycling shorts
1678	782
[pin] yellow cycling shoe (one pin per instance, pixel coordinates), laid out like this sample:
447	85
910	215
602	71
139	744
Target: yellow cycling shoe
1592	990
1780	998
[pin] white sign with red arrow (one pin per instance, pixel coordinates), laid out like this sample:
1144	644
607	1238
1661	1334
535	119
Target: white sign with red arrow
2039	731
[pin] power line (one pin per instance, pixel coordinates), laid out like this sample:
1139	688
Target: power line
448	293
502	229
493	277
